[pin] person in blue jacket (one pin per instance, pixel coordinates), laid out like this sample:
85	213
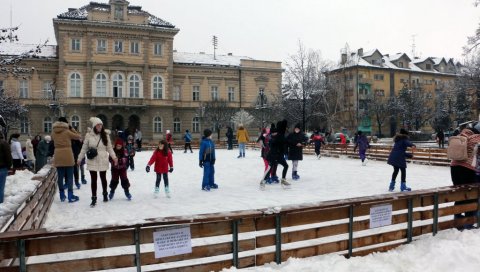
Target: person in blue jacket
188	141
207	161
397	159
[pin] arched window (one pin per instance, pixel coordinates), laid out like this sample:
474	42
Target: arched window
157	87
176	124
75	85
101	85
117	84
47	125
24	125
157	125
75	121
196	124
134	81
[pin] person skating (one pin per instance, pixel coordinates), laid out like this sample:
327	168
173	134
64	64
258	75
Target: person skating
163	160
276	155
229	135
317	140
169	138
98	138
263	141
188	141
119	171
130	147
296	141
242	139
362	144
397	159
207	158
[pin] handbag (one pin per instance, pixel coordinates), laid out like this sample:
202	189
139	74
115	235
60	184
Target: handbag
92	151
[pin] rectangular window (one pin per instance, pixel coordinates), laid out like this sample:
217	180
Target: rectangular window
400	64
196	93
134	48
231	94
118	47
176	92
118	12
47	88
378	77
428	66
75	44
24	125
214	92
23	89
157	49
101	46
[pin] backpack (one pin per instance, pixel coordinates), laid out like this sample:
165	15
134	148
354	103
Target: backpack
457	148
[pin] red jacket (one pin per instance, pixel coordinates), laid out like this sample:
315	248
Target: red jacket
161	161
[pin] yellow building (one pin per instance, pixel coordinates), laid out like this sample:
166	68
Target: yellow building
360	74
117	62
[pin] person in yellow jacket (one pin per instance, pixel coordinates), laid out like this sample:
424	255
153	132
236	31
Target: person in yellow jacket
242	139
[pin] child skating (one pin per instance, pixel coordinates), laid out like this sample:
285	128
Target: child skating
119	171
162	158
207	161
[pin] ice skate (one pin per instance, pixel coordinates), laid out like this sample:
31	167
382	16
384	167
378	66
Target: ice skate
167	192
285	184
156	192
262	184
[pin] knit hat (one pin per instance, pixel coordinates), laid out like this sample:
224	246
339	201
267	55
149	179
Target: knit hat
119	141
48	138
207	132
298	125
95	121
168	131
403	131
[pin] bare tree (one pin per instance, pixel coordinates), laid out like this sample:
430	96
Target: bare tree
11	109
304	79
216	114
381	109
416	110
242	117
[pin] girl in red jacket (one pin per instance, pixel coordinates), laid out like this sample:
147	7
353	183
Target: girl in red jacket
162	158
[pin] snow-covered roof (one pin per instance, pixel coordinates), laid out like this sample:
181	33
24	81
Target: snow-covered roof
82	13
207	59
387	62
16	49
437	61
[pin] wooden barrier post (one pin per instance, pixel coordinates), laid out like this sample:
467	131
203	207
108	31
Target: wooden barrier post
350	231
21	255
478	209
278	239
410	220
435	214
136	237
235	242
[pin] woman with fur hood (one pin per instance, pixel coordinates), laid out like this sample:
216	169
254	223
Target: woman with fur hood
398	161
98	138
63	160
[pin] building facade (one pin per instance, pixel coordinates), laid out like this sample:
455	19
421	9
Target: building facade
117	62
360	75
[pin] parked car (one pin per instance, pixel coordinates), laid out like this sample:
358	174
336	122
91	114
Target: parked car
337	137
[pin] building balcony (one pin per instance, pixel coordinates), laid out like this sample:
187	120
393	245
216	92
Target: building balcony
117	102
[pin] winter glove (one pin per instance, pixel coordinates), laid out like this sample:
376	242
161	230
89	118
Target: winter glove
170	170
200	164
213	162
147	168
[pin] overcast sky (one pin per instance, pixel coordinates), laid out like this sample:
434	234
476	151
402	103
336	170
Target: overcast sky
272	29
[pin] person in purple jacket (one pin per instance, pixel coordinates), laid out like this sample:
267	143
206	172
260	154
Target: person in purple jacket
362	144
397	159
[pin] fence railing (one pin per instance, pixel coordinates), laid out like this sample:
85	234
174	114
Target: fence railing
246	238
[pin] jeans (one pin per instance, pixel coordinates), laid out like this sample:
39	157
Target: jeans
3	180
241	149
67	173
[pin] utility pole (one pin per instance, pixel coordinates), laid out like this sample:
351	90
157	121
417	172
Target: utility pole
215	44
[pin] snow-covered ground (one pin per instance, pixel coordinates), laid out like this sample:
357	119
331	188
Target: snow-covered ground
238	179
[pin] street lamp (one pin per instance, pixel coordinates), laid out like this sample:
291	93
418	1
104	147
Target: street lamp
261	104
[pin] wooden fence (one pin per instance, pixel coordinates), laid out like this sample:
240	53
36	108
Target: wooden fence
245	238
33	212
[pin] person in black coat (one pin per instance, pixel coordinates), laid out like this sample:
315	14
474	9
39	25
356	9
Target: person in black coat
296	141
229	135
276	155
76	148
441	139
397	159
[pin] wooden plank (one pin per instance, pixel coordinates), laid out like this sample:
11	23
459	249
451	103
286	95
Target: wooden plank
8	250
450	210
91	264
69	243
385	248
452	194
315	216
148	258
205	267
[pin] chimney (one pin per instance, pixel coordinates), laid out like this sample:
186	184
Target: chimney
344	58
360	52
230	54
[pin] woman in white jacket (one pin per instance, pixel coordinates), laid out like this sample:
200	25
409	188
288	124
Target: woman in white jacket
30	160
16	149
98	138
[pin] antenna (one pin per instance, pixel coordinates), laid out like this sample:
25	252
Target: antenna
215	44
413	46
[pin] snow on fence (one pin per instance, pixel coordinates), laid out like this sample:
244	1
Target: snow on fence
248	238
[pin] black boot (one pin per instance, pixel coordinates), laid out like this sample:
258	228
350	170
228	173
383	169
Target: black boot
105	197
94	201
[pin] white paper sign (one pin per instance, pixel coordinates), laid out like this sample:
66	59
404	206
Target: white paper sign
380	216
172	241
